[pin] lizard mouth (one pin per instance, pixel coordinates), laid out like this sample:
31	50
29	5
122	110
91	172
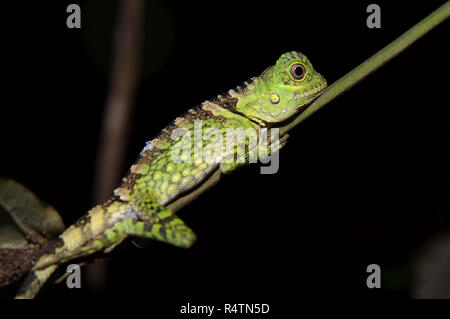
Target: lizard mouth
300	100
313	92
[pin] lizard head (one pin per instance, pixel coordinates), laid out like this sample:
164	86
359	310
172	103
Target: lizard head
283	89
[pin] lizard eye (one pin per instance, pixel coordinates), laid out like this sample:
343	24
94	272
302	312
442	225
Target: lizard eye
297	71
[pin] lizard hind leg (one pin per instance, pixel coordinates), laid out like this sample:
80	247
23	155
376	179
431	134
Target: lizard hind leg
159	223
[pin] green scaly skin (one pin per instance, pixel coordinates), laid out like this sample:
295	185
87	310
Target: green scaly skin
138	207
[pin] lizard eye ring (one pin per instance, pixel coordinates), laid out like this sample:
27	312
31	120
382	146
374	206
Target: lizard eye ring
297	71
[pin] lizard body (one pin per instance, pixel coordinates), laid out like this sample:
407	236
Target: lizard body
138	207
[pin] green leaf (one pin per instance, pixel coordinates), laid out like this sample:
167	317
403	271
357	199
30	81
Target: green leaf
26	224
24	218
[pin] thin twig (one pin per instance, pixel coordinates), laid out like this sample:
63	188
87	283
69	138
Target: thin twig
67	274
373	63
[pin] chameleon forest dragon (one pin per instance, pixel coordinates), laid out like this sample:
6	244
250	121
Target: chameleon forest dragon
138	207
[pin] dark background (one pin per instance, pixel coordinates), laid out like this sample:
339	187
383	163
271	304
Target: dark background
364	180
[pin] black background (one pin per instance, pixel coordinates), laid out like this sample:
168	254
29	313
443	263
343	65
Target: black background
365	180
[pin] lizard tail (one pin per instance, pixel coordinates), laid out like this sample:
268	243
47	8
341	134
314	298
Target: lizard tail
34	282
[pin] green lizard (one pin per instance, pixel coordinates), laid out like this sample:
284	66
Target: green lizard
138	207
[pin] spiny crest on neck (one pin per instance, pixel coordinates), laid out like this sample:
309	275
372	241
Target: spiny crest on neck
228	100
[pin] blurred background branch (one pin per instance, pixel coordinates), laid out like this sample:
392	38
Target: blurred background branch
125	74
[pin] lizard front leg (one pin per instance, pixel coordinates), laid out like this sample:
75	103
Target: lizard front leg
261	151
